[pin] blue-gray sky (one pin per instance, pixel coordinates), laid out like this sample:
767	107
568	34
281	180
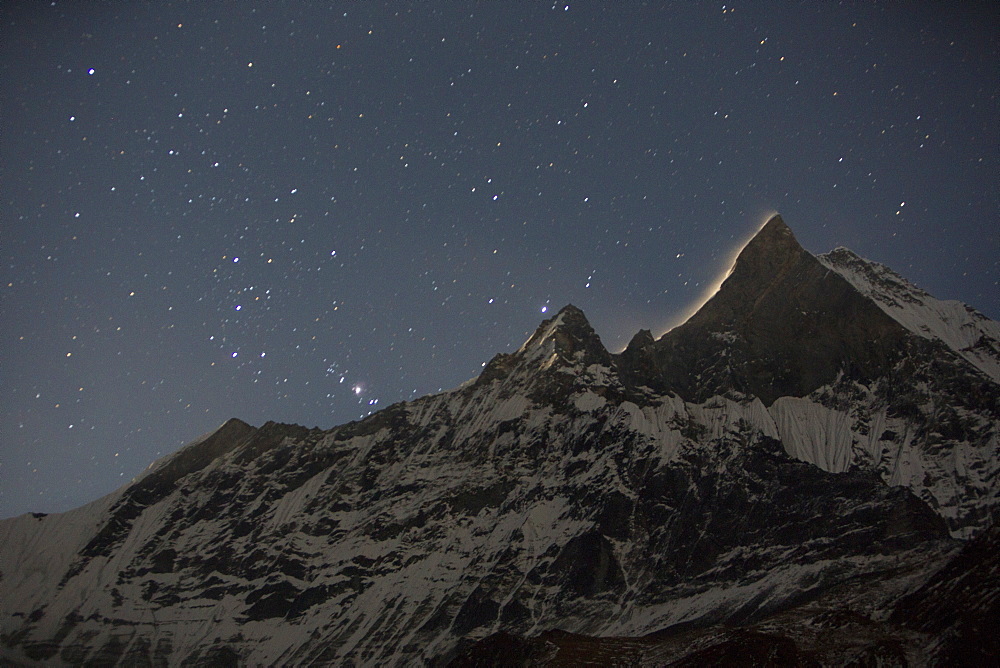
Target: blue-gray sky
306	211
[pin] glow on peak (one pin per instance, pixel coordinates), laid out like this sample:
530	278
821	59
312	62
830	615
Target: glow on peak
768	215
714	286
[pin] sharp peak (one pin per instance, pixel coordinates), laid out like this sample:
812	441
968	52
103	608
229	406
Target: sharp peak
234	422
774	223
769	254
568	317
774	231
569	324
570	309
844	252
641	339
774	243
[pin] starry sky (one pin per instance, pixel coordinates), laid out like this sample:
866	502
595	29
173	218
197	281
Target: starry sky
305	212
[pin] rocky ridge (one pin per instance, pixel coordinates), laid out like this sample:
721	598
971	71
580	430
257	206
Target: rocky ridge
811	445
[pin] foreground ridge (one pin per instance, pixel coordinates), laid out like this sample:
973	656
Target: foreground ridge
804	452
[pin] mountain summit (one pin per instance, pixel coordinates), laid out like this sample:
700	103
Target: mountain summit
805	469
781	324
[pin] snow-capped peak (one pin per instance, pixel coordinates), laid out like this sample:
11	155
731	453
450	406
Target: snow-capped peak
567	335
960	327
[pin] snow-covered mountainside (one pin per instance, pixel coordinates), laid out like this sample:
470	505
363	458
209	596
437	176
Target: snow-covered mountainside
958	326
797	456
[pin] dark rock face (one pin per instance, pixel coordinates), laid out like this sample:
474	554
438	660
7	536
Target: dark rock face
955	608
960	604
502	650
759	485
781	324
746	648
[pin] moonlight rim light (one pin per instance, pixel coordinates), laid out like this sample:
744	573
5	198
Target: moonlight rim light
714	286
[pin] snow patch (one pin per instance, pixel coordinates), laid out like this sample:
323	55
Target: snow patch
814	433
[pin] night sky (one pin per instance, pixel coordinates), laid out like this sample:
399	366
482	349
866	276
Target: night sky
305	212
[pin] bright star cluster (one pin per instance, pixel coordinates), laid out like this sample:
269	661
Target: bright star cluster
305	212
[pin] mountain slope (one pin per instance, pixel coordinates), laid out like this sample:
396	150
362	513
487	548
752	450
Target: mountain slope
858	368
734	471
960	328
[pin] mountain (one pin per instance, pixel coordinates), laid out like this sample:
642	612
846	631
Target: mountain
857	368
782	324
805	472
